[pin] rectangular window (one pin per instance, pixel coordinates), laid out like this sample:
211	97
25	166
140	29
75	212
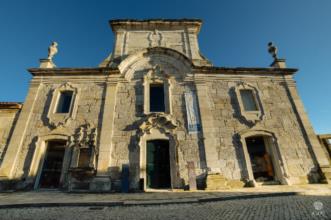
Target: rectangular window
64	103
248	100
156	99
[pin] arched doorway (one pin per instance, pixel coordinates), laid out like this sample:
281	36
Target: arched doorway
164	154
264	161
51	167
158	164
260	154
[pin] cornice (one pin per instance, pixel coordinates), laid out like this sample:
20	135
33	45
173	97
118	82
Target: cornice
134	24
72	71
243	70
10	105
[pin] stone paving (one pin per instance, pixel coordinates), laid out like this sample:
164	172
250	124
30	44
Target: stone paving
155	197
289	207
265	202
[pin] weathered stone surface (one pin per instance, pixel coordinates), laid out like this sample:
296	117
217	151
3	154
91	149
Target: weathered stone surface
100	184
115	101
8	116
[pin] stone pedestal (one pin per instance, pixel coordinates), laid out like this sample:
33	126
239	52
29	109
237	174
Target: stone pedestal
100	184
279	63
46	63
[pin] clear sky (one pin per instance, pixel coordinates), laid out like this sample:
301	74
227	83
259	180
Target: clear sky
234	34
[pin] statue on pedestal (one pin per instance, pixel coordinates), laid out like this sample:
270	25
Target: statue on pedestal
48	62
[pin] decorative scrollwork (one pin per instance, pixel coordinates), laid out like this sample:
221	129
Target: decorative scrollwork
164	122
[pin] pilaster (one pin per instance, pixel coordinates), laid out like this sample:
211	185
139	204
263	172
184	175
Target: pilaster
106	130
210	139
308	130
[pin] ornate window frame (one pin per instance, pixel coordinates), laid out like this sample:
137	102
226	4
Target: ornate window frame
57	119
251	116
85	137
157	76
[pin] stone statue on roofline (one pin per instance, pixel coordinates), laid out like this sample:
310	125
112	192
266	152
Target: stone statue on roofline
277	62
272	49
52	50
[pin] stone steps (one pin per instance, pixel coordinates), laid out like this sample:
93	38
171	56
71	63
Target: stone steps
267	183
216	182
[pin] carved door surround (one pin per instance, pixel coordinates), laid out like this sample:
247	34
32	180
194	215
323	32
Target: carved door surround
281	171
159	126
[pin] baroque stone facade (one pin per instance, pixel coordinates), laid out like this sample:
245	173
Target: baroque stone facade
107	137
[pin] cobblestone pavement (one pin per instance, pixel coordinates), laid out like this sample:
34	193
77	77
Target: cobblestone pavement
37	197
289	207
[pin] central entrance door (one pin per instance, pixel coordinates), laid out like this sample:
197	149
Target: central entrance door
158	164
52	167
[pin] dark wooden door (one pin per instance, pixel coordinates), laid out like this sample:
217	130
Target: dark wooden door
158	164
52	167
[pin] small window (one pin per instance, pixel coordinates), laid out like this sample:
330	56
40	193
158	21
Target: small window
329	141
248	100
64	103
156	100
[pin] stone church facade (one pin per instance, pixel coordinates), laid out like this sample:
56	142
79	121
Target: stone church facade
157	114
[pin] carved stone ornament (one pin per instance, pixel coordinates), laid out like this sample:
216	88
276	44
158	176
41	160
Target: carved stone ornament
164	122
156	74
84	140
155	38
85	137
250	116
62	119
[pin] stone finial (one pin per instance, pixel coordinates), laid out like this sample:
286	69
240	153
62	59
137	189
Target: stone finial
278	63
272	49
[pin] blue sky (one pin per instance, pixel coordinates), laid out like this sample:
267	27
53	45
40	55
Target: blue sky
234	34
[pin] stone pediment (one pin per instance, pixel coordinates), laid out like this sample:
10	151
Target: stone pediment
161	121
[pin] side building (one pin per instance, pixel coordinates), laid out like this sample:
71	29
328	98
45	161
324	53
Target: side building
157	114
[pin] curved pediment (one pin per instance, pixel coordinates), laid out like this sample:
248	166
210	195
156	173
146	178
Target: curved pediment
170	61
